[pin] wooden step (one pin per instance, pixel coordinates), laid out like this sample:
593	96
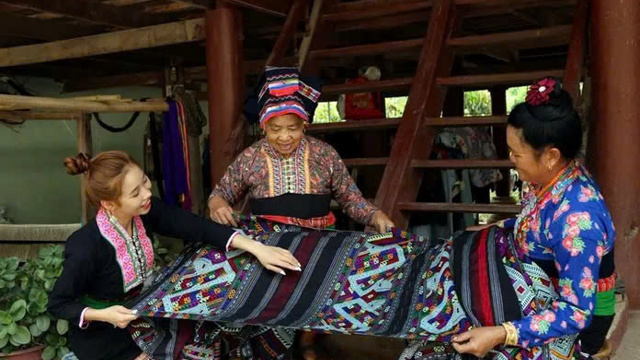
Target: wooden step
366	162
537	38
467	121
518	78
460	207
462	164
354	125
371	86
372	9
368	49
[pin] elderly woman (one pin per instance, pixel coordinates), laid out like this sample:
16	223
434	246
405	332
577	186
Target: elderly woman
564	227
291	177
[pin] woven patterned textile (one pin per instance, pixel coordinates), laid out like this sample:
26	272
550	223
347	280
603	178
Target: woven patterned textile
392	284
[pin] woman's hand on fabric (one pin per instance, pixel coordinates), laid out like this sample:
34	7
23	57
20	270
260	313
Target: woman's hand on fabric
381	222
221	212
116	315
479	341
272	258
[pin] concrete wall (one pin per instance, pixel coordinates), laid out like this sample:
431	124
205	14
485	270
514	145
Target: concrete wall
33	183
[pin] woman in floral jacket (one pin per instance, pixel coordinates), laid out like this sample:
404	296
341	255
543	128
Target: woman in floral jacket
564	227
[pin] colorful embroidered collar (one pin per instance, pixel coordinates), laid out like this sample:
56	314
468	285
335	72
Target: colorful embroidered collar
541	195
134	254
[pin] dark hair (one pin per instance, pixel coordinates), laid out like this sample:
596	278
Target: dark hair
548	118
104	174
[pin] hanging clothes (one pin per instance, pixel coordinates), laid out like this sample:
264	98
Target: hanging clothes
175	163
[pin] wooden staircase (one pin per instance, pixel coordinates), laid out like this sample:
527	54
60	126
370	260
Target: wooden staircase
404	167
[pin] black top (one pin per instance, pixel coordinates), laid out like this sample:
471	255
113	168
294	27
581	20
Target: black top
91	269
303	206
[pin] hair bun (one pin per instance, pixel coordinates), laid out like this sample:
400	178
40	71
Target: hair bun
545	91
78	164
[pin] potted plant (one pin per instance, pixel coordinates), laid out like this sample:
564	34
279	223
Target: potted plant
27	331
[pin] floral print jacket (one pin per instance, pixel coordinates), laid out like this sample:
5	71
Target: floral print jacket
571	225
314	168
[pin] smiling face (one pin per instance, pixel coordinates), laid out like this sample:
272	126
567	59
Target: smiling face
533	166
284	133
135	198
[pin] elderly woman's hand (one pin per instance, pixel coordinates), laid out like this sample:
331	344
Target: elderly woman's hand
479	341
381	222
221	212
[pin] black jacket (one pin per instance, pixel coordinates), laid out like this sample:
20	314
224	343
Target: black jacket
91	269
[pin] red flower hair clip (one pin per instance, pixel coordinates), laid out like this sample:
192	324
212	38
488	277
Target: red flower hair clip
539	92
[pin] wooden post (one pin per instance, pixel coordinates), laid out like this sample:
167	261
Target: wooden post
225	80
615	127
577	46
85	145
499	107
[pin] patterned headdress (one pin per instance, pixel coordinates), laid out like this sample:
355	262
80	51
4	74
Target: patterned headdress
280	91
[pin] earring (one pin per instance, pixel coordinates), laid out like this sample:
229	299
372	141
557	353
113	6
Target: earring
550	167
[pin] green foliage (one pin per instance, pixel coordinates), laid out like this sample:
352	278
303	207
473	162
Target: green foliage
515	95
24	289
326	112
477	103
394	106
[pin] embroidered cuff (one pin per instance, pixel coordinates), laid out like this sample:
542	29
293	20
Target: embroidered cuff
512	334
233	236
83	324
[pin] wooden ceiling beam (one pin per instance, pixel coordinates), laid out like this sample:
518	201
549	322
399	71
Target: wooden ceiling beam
273	7
153	78
385	22
29	28
88	11
119	41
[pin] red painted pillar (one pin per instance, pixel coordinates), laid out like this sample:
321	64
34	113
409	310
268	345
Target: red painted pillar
225	85
614	150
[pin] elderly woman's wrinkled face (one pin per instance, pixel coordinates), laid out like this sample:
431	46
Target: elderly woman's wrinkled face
284	133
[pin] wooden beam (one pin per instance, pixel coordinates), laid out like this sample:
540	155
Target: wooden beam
577	45
380	85
272	7
385	22
152	78
356	162
54	104
467	121
356	125
287	32
556	35
125	40
88	11
462	164
29	28
521	78
460	207
369	49
373	9
85	145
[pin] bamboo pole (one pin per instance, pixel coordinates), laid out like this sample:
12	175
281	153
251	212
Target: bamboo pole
54	104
